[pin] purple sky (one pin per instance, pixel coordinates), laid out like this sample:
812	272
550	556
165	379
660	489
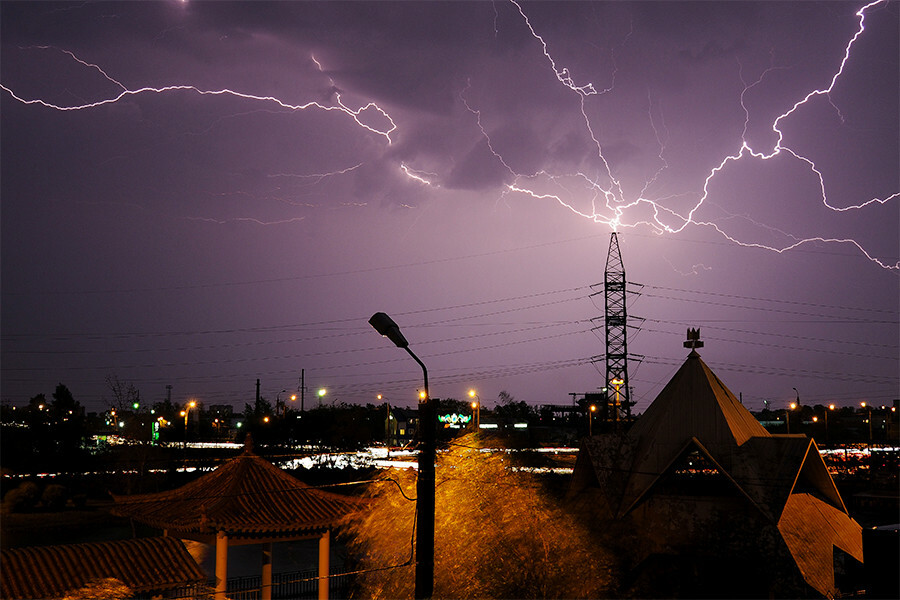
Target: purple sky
459	166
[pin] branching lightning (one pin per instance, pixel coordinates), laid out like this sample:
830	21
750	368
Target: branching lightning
601	192
609	203
357	114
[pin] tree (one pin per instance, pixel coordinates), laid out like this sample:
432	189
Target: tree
124	395
497	535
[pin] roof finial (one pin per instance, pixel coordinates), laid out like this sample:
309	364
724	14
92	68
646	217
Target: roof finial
693	339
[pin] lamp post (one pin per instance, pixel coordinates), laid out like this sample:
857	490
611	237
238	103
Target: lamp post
476	408
591	412
185	413
830	407
384	325
869	419
617	382
787	415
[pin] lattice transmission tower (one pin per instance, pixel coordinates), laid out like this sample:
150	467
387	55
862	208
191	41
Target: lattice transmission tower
615	325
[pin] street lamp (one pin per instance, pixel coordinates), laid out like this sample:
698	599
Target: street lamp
384	325
830	407
476	408
591	419
321	393
869	408
618	381
787	415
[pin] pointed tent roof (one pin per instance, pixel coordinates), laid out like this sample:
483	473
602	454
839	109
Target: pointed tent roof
784	476
244	497
695	404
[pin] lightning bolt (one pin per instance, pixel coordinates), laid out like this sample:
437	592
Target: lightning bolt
357	114
605	195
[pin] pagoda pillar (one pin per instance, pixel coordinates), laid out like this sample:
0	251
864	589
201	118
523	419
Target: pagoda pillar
266	591
324	564
221	565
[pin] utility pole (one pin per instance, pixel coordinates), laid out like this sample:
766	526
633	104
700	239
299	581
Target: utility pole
302	387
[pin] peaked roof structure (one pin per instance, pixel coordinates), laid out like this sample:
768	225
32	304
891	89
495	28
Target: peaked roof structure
146	565
246	500
696	437
245	497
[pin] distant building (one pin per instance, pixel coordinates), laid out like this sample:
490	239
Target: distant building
699	500
223	411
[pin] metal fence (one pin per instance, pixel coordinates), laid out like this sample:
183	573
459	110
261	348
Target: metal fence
296	585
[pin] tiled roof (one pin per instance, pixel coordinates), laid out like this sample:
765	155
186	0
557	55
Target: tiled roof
246	496
144	565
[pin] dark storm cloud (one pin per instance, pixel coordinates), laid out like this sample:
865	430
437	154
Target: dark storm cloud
248	239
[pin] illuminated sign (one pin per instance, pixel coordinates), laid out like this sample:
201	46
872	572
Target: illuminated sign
454	420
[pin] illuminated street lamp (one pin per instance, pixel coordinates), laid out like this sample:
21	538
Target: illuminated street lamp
830	407
321	393
787	415
869	419
617	382
476	408
384	325
591	418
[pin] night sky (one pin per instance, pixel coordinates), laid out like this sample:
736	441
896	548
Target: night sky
200	194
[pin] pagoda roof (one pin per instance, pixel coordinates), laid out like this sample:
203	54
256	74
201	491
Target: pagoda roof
247	496
145	565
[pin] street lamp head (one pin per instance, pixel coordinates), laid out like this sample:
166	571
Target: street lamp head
322	392
385	325
831	407
471	393
793	405
593	408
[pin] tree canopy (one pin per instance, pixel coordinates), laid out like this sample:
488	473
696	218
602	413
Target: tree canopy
497	534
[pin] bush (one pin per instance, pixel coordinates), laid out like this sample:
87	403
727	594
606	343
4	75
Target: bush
54	497
22	498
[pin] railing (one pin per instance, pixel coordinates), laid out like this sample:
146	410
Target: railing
294	585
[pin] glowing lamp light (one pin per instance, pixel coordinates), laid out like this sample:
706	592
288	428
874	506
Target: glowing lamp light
322	392
593	408
793	405
422	395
